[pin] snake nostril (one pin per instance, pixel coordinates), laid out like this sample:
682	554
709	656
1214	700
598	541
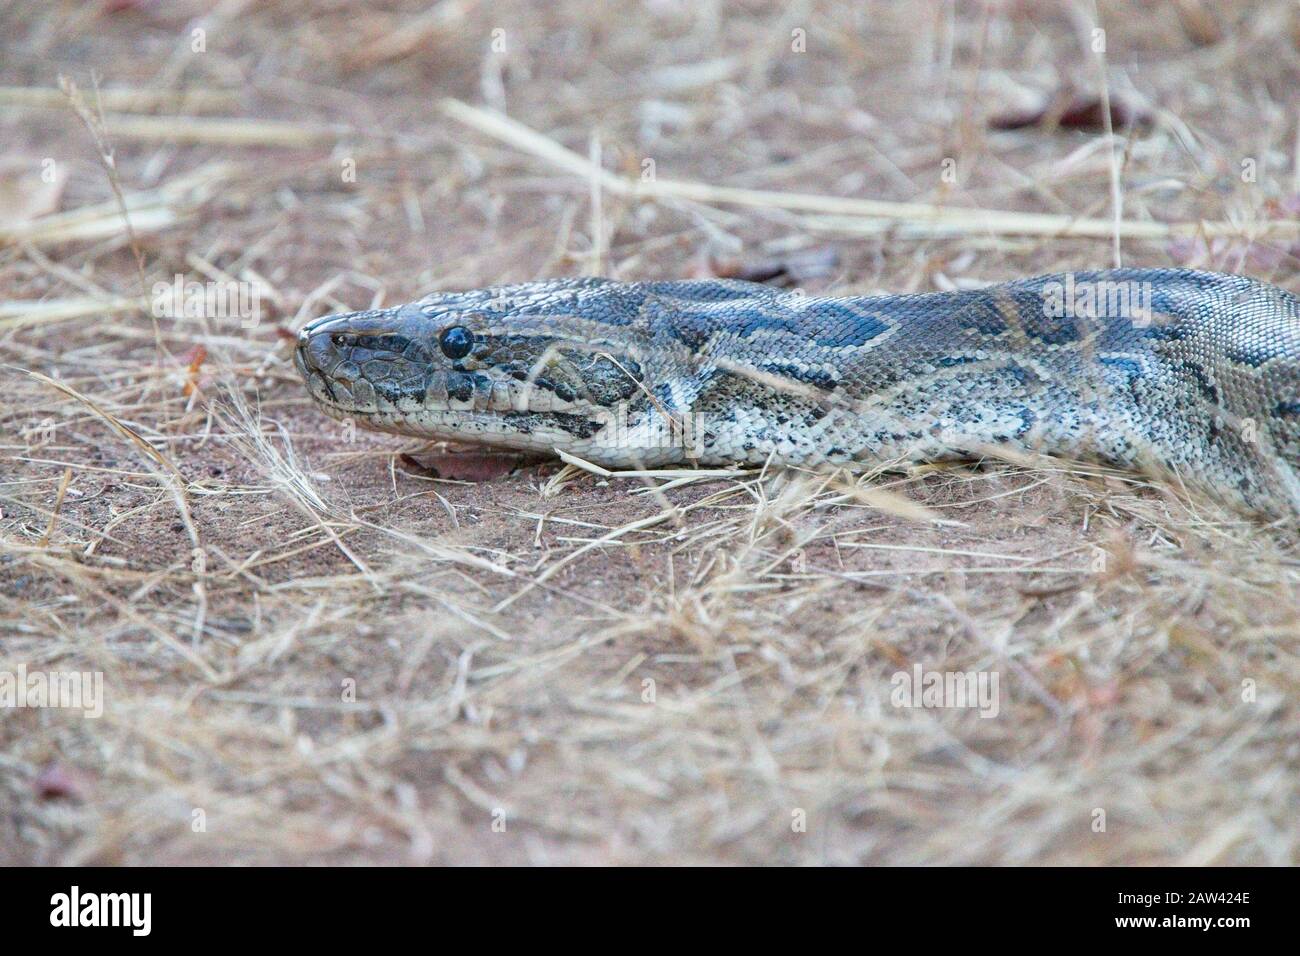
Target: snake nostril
314	350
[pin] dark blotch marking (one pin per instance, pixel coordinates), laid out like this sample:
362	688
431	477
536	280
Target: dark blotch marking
395	391
982	313
1131	369
692	334
827	323
560	389
608	383
1253	354
461	387
375	343
1202	381
363	348
948	361
814	377
575	425
749	319
1171	332
1021	374
1051	330
1027	421
706	290
664	393
852	325
1031	310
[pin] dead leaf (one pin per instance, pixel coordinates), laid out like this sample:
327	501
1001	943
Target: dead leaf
788	270
197	356
464	466
60	781
1068	109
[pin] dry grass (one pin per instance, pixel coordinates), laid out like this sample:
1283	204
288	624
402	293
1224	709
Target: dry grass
624	669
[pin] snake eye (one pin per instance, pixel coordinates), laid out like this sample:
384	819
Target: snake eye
456	342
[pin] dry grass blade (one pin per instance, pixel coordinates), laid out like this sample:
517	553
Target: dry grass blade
954	220
16	315
131	100
150	211
223	131
889	502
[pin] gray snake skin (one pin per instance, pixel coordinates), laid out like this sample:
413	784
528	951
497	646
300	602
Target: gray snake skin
1190	375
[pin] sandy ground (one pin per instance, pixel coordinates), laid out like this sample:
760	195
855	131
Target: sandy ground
314	650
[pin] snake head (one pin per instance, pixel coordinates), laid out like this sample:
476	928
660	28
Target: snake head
535	367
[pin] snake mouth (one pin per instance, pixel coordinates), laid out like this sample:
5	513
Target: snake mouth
361	363
323	367
319	385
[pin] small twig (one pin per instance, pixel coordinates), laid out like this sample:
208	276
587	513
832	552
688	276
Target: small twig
95	126
58	505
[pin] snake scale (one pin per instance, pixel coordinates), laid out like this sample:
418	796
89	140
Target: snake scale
1191	375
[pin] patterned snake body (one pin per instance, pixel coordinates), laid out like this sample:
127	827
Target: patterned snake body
1192	375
